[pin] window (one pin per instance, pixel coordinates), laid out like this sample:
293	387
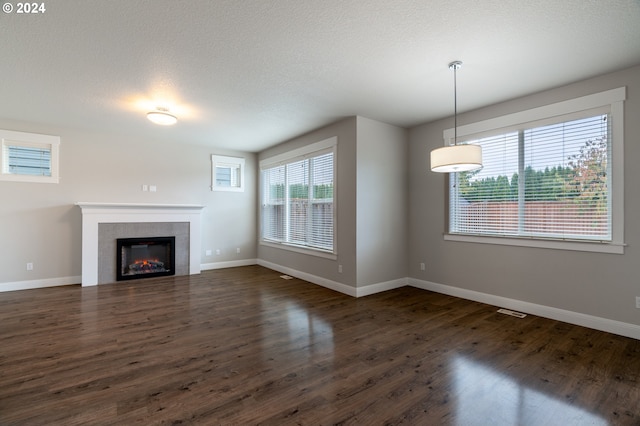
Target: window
551	177
28	157
227	173
297	208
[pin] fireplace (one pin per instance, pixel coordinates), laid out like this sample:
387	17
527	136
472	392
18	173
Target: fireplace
97	252
145	257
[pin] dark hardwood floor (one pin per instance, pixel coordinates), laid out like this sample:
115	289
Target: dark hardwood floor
243	346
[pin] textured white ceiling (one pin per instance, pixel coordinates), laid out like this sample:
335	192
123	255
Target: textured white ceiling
247	74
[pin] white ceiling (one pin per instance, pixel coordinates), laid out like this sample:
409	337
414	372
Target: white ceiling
247	74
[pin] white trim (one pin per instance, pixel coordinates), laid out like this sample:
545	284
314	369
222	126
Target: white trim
380	287
336	286
134	207
300	249
314	279
617	173
33	284
596	100
228	264
302	152
595	247
95	213
576	318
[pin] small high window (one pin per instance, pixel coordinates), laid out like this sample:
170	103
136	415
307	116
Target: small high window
227	173
29	157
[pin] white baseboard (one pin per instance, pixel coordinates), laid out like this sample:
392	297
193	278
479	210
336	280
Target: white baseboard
31	284
576	318
597	323
228	264
380	287
333	285
336	286
54	282
590	321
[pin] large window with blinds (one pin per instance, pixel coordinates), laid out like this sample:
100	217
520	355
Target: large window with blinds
297	194
28	157
553	179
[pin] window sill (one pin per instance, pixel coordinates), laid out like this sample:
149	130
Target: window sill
227	188
28	178
611	248
300	249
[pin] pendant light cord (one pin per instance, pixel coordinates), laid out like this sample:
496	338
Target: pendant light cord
455	105
454	66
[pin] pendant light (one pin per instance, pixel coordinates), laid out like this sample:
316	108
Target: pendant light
456	158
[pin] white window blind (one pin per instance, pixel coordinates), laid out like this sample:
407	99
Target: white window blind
298	201
545	180
224	176
24	160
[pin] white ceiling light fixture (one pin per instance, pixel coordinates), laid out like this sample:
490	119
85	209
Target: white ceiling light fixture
456	158
162	117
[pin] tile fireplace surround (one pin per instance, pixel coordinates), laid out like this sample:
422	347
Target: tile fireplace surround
93	214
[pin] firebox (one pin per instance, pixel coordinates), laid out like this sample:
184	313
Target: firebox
145	257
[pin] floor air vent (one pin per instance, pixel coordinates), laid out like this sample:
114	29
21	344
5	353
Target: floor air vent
512	313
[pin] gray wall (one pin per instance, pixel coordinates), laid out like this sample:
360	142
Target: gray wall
39	222
345	229
602	285
371	204
381	202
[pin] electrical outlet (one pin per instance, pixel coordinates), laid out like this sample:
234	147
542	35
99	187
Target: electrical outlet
29	266
153	188
238	250
422	267
217	252
340	269
145	188
638	302
208	252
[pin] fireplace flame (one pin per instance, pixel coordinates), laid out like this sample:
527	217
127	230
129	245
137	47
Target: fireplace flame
146	261
145	266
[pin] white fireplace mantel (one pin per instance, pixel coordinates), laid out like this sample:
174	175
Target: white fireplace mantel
95	213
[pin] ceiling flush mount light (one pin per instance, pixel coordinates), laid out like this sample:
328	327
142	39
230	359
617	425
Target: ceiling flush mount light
456	158
162	117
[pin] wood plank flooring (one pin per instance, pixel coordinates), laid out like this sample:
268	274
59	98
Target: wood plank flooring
242	346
